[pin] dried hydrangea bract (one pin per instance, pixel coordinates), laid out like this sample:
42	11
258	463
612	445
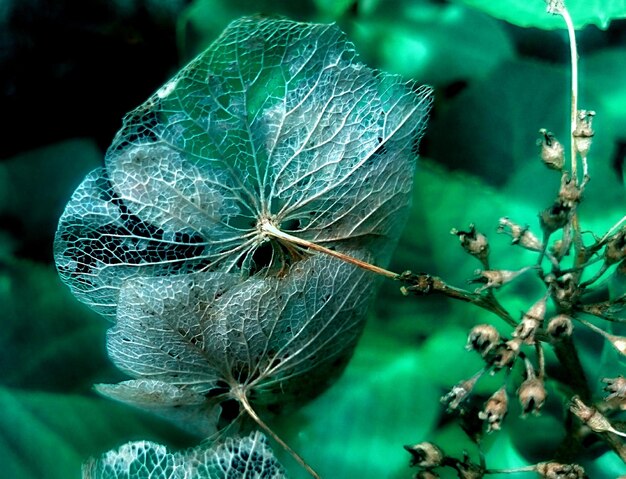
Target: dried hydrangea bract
193	237
247	457
278	123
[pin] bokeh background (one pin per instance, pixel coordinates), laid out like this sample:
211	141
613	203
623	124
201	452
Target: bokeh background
70	70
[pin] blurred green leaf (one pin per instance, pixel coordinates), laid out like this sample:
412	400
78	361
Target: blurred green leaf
491	129
446	360
445	199
45	435
502	454
430	42
532	13
603	75
34	187
357	428
442	200
48	340
334	8
203	21
537	438
607	465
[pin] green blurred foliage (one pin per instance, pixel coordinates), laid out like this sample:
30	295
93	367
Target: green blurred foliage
349	432
34	189
49	435
48	340
604	76
480	162
527	13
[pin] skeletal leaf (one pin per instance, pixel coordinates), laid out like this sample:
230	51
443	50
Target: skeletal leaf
277	122
189	410
245	458
195	341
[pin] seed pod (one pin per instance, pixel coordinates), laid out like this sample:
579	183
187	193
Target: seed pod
425	454
474	243
496	278
552	151
554	217
532	394
505	354
495	409
565	291
591	417
482	338
555	470
531	322
615	249
615	386
569	193
460	392
520	235
583	132
560	327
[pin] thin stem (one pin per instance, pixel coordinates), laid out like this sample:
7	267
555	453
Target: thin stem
252	413
593	327
419	284
541	360
271	230
574	93
513	470
612	229
603	309
425	284
574	375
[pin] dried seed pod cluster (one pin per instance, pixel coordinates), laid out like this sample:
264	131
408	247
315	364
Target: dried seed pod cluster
565	267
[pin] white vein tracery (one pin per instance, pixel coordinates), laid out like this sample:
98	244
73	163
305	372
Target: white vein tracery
185	239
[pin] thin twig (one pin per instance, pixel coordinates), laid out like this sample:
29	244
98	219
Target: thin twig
271	230
574	89
425	284
541	360
246	405
612	229
422	284
603	309
514	470
567	354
